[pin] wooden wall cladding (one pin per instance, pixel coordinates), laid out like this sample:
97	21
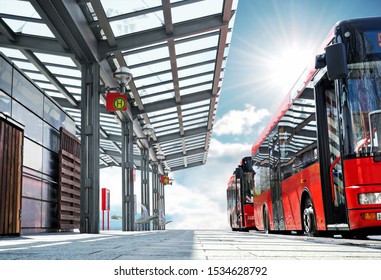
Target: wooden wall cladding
11	143
69	181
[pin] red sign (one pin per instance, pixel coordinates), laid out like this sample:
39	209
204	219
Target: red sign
116	101
105	199
164	180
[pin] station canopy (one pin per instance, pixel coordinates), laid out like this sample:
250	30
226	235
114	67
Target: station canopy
175	49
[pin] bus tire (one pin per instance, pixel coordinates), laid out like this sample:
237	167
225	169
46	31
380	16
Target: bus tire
309	219
266	221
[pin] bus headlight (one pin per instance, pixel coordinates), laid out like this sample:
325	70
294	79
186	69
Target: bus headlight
370	198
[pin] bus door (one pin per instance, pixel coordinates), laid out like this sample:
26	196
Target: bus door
275	186
330	155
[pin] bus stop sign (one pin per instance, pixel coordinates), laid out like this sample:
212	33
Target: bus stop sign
116	101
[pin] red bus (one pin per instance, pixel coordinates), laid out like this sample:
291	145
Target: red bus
240	197
318	162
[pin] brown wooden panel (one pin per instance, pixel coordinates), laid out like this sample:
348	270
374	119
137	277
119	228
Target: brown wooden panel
11	141
70	208
70	165
70	191
69	181
72	200
70	173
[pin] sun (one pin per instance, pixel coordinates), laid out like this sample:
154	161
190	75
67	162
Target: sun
285	67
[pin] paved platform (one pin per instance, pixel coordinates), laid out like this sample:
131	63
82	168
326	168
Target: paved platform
115	245
181	245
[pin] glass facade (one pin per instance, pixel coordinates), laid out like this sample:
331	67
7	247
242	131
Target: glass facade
24	102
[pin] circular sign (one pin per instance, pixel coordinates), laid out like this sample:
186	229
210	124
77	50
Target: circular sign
119	103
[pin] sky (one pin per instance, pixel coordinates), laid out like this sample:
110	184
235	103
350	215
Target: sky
272	42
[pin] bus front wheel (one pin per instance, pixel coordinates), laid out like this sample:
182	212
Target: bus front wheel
309	219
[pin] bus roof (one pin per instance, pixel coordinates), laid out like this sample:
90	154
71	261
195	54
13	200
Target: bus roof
299	86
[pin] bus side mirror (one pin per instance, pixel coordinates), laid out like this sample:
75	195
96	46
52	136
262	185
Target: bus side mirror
335	59
247	164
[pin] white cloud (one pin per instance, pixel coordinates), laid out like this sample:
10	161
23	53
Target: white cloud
197	198
195	207
235	150
237	122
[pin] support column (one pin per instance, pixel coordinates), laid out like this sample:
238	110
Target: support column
145	199
90	149
161	205
128	204
155	196
163	202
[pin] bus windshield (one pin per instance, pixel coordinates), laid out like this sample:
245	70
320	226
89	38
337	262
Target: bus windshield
364	105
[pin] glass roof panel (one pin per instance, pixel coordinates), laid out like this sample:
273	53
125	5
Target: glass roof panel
64	71
74	90
31	28
151	65
156	98
137	24
199	79
46	86
151	68
146	56
196	58
155	89
57	59
193	137
196	69
152	79
191	117
196	10
165	128
119	7
171	142
37	76
196	104
195	121
167	132
14	53
202	43
22	8
67	81
24	65
54	93
161	112
163	117
195	126
191	90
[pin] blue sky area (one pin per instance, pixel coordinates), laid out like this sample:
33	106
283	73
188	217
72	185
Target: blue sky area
272	43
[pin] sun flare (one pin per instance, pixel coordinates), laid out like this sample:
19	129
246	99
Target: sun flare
285	68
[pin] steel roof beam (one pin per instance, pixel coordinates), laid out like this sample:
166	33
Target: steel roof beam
34	43
158	35
168	103
176	135
7	32
190	152
227	13
189	165
52	79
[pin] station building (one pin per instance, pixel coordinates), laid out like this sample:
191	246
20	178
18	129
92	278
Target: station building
59	62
